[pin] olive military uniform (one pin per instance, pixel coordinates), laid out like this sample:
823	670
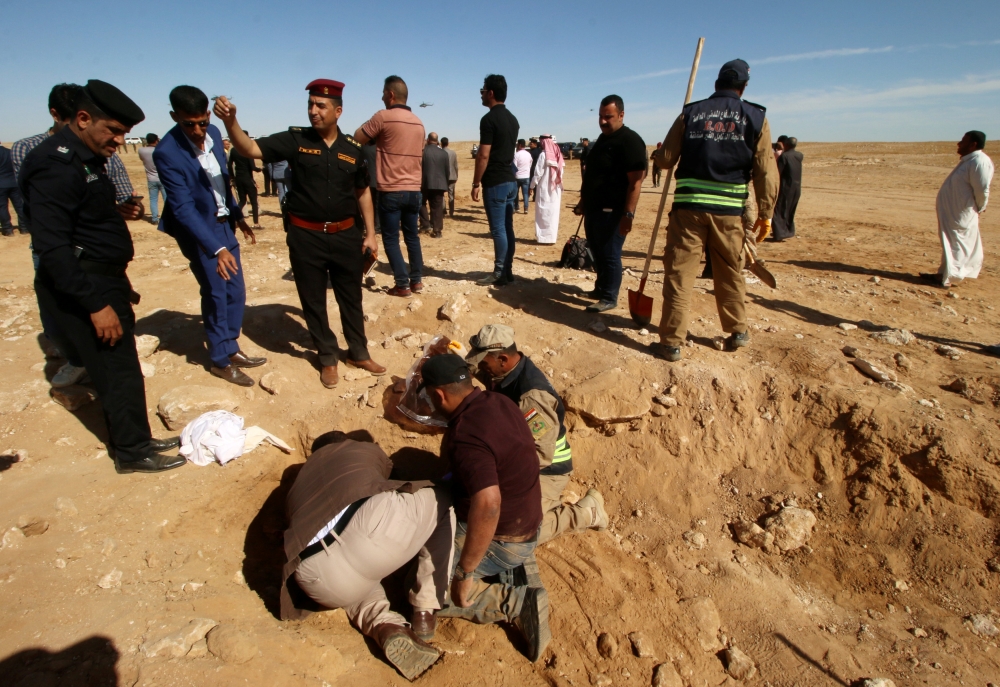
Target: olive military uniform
323	185
84	248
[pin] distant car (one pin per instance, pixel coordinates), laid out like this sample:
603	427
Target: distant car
577	151
135	141
567	150
475	149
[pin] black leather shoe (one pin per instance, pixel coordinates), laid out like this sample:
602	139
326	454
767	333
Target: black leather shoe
241	359
151	462
495	279
161	445
602	306
233	375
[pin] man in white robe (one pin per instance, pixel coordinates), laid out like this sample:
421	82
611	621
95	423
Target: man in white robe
961	200
547	183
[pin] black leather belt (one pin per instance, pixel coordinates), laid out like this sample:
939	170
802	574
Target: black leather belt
104	269
313	549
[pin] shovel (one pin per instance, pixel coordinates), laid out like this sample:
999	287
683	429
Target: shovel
757	266
640	306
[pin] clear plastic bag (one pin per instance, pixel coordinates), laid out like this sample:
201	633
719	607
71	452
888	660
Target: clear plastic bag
417	405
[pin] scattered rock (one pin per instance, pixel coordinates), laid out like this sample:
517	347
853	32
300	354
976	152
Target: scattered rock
850	351
643	332
665	675
453	308
993	564
199	649
792	528
182	404
873	682
607	645
112	580
415	305
32	526
401	334
875	280
981	625
12	455
353	375
231	645
412	341
695	540
918	632
901	586
847	326
902	362
873	371
658	411
12	538
948	351
893	337
609	397
738	664
959	386
66	506
180	642
146	345
641	646
753	535
897	386
666	401
600	680
706	619
597	326
148	369
371	317
108	547
272	383
389	342
73	397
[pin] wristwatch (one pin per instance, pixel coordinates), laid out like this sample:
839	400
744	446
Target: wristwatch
476	185
460	574
630	215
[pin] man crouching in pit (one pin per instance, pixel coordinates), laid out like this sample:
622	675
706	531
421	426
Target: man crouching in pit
350	526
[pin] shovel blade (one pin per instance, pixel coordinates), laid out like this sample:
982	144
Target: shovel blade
640	307
764	274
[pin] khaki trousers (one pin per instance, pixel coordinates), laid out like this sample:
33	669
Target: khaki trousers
384	534
559	517
688	233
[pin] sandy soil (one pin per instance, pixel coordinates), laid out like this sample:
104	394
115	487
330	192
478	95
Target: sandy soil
904	479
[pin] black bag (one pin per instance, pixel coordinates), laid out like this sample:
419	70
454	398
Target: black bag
576	254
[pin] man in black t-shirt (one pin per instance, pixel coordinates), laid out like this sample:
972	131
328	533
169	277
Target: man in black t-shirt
616	166
241	171
497	138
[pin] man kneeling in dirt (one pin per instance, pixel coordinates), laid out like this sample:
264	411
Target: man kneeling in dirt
497	503
505	370
350	526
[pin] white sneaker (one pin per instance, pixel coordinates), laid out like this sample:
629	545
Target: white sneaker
69	375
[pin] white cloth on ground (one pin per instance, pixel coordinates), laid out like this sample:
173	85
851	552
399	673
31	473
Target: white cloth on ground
962	198
548	200
219	436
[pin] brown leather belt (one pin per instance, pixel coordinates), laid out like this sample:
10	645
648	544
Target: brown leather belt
325	227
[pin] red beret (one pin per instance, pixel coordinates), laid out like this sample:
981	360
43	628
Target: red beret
326	87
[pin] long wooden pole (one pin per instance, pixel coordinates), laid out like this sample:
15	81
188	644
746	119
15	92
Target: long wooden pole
670	172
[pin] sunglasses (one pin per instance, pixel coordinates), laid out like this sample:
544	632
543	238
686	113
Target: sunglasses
203	123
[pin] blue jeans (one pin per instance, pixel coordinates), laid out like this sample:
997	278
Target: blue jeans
155	189
522	186
498	201
400	209
606	244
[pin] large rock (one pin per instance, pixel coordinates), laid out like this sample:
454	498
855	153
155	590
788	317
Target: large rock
453	308
981	625
179	643
792	528
73	397
182	404
665	675
706	619
146	345
231	645
611	396
874	371
894	337
738	664
753	535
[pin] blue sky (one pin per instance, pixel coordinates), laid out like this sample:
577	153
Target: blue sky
833	71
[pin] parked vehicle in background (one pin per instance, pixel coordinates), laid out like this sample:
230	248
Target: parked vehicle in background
475	149
135	141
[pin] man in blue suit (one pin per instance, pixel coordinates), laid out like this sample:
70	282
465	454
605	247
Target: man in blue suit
202	215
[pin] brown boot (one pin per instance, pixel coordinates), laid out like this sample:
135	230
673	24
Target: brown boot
403	649
328	375
369	365
424	624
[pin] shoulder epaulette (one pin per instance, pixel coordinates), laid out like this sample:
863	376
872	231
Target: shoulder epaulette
295	129
759	107
61	153
350	139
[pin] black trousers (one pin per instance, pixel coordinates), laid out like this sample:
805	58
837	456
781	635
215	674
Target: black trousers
269	188
317	257
434	221
114	369
246	188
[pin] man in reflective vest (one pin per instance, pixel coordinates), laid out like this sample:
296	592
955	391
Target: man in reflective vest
503	369
718	144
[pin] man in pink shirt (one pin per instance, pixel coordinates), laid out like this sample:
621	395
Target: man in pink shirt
399	141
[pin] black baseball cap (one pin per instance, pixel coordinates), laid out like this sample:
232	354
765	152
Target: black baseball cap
735	70
113	102
440	370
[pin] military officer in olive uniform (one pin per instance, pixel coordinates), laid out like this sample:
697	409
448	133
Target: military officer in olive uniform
84	248
329	195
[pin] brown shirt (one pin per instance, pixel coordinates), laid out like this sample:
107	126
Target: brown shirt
399	139
333	478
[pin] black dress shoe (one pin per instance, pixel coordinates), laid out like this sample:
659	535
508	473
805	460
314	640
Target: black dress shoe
233	375
161	445
151	462
241	359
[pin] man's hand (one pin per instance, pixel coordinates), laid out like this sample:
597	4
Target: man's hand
460	590
247	231
625	226
131	209
224	110
475	194
578	210
370	242
763	228
227	264
107	325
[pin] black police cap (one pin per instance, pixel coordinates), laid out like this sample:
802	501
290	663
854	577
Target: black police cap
113	102
440	370
738	70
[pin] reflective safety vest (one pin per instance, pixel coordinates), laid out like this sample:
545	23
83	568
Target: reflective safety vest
520	382
720	138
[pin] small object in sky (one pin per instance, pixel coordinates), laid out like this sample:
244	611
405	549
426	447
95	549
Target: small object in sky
426	104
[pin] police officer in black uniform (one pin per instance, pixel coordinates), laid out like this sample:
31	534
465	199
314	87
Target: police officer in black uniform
84	248
329	198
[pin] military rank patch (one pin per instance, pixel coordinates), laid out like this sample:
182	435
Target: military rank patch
352	141
311	151
346	158
536	423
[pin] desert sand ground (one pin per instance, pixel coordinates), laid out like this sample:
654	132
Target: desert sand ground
904	479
